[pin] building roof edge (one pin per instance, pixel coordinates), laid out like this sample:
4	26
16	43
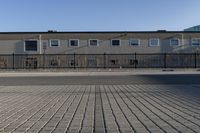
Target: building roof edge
94	32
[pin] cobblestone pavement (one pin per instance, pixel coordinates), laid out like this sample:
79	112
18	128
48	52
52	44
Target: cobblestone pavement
100	108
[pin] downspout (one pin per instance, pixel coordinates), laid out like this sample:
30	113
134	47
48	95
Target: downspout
182	39
40	43
182	43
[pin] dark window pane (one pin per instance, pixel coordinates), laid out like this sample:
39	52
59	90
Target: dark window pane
134	42
154	42
74	42
115	42
196	42
30	45
93	42
174	42
54	43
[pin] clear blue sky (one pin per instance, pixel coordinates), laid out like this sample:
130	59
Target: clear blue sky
98	15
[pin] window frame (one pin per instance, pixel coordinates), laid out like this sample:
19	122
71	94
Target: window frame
73	40
116	45
174	39
193	40
132	40
30	50
150	44
54	40
93	45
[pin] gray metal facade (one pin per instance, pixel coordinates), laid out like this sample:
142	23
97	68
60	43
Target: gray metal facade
194	28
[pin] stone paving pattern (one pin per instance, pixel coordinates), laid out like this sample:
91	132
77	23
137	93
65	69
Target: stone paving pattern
121	108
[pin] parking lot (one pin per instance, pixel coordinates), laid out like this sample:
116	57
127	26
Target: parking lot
100	104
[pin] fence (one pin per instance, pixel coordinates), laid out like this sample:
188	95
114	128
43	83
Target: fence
160	60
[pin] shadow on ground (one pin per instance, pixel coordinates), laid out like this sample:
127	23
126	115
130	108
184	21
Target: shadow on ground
101	80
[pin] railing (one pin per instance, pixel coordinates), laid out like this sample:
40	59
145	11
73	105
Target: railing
133	60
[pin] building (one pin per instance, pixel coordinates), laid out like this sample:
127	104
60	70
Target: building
49	49
99	42
194	28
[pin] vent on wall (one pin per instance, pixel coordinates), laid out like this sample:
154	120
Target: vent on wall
161	31
52	31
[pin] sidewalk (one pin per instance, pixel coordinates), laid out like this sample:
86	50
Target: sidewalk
90	72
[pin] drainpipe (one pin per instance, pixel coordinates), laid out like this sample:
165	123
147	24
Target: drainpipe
182	39
40	43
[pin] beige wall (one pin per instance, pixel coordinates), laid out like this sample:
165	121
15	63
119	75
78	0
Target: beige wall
14	43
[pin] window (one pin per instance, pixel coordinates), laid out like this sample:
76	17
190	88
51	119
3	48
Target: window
93	42
74	43
116	42
54	62
30	45
174	42
31	62
133	62
54	43
71	63
134	42
154	42
196	41
114	62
